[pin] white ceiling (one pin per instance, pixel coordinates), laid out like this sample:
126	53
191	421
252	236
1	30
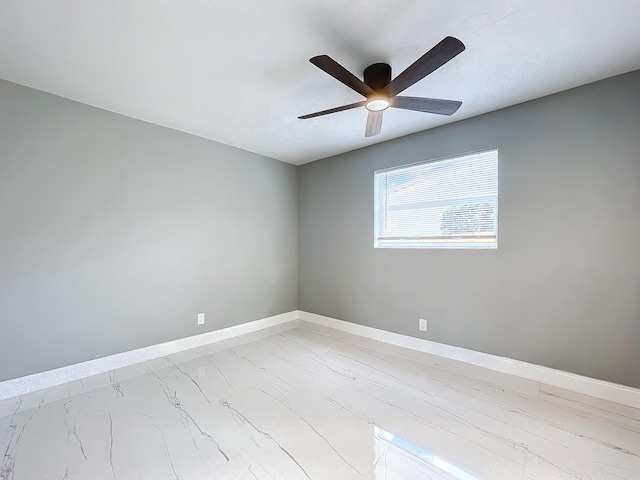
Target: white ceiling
237	71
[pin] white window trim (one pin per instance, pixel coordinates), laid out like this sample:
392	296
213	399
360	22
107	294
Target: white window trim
437	245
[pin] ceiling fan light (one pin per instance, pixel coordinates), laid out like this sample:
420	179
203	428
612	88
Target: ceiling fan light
377	104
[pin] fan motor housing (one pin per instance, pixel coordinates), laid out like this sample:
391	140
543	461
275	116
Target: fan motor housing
377	76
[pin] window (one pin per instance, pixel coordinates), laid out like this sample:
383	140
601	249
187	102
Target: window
449	203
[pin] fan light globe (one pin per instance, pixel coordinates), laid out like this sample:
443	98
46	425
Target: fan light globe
377	104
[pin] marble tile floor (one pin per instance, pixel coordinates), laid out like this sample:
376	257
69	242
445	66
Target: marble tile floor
300	401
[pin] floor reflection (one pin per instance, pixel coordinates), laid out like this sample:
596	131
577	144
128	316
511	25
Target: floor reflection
398	458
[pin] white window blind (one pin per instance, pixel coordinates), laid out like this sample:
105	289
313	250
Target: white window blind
450	203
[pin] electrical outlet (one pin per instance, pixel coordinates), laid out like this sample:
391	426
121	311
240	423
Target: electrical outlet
422	324
200	318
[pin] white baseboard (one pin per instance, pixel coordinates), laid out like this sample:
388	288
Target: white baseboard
51	378
570	381
589	386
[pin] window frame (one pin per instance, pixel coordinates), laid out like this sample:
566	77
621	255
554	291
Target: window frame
442	245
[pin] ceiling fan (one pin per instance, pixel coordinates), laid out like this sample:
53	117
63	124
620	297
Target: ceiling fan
381	92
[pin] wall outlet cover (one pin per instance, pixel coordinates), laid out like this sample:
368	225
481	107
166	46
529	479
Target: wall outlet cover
200	318
422	324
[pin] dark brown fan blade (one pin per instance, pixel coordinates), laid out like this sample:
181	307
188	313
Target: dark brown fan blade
333	110
430	61
428	105
337	71
374	124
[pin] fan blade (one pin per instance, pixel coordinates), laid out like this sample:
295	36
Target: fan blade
333	110
428	105
374	124
430	61
337	71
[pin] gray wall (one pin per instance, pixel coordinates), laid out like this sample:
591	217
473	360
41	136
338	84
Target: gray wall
115	233
563	288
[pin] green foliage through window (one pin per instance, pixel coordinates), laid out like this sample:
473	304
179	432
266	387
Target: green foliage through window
468	219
